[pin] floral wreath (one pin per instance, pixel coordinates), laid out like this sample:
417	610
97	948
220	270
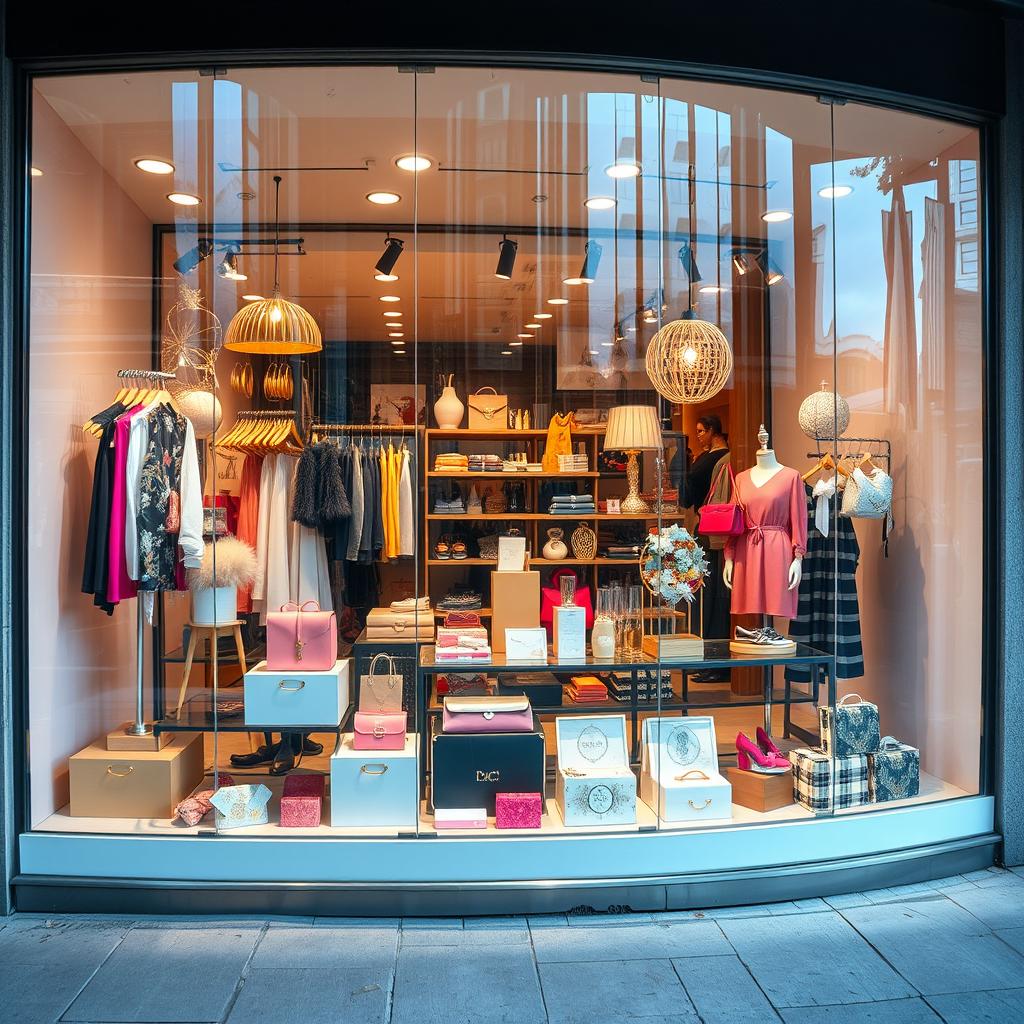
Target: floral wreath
673	564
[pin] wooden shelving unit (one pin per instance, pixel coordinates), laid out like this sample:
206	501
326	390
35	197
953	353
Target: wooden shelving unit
440	574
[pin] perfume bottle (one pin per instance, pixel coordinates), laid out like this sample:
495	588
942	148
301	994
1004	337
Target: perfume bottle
602	635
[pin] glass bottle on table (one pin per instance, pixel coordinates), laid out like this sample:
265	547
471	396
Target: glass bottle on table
602	635
633	630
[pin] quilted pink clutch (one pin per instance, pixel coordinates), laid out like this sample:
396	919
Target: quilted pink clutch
301	638
194	808
384	730
517	810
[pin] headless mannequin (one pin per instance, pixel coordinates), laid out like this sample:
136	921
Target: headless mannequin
766	467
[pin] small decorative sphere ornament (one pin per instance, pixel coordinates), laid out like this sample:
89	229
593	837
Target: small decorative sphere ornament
689	360
823	413
673	565
203	408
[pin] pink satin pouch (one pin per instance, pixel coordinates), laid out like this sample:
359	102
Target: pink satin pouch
384	730
487	714
301	638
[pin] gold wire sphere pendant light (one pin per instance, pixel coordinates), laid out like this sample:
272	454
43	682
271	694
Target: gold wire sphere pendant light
688	360
275	325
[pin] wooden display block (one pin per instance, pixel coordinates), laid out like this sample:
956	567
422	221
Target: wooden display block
674	646
121	739
761	792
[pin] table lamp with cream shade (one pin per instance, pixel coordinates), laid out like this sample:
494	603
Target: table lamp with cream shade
633	429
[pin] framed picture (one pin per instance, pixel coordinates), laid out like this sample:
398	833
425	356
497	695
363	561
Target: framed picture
397	404
523	644
511	554
614	507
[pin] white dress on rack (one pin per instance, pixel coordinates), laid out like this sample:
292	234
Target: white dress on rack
272	588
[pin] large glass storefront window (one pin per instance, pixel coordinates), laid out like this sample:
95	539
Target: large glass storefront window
473	450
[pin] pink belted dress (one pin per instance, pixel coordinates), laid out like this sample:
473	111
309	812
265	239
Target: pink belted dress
776	533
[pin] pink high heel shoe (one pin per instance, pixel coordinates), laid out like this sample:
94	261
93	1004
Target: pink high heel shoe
765	742
751	758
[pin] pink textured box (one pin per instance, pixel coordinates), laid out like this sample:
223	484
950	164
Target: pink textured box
302	801
517	810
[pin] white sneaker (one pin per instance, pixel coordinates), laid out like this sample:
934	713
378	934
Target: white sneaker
409	604
763	636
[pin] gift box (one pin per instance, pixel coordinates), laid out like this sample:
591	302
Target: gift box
894	771
823	784
302	801
298	698
515	603
679	779
518	810
374	789
570	632
849	728
238	806
594	784
760	792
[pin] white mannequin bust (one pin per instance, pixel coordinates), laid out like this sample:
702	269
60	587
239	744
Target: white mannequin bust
765	467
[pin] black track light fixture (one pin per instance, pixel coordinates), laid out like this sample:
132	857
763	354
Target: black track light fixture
188	261
688	259
386	264
507	250
591	261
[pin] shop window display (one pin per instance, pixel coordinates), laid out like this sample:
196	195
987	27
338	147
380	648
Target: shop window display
541	452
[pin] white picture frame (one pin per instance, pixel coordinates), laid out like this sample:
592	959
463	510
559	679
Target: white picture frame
511	554
614	506
526	644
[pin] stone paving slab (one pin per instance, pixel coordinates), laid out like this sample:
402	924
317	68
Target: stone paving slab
625	942
372	949
313	996
891	1011
980	1007
723	991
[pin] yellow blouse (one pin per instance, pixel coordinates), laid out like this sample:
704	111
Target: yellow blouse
559	441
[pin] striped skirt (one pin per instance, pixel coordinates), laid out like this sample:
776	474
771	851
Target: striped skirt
828	615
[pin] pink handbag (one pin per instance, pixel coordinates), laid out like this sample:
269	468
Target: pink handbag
726	519
298	638
487	714
382	730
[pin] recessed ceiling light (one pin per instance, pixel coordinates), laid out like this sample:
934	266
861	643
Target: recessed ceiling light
396	334
151	166
184	199
577	280
384	198
599	203
506	351
36	173
533	327
558	302
389	298
253	298
775	216
711	289
514	344
398	351
607	344
413	162
594	352
543	316
622	169
392	312
835	191
539	198
385	277
524	335
246	197
400	344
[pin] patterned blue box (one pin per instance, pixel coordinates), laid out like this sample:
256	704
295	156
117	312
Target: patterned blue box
849	728
894	772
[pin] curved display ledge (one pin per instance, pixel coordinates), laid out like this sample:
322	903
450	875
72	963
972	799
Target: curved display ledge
649	871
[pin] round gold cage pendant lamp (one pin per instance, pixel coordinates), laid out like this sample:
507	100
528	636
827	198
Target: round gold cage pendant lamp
688	360
273	326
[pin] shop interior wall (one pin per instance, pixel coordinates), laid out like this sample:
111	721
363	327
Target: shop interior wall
90	315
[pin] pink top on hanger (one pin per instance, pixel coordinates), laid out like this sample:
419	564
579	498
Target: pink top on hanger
776	518
120	586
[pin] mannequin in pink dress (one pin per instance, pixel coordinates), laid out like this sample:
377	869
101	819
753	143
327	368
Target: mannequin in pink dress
763	564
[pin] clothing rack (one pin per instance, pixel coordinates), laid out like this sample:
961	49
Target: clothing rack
362	428
145	375
861	446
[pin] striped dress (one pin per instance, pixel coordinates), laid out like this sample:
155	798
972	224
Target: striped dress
829	575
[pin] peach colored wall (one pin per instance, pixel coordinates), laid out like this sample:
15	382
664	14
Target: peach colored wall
90	315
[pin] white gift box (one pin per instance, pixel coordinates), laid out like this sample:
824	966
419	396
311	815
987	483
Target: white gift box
275	700
594	784
679	777
569	632
374	788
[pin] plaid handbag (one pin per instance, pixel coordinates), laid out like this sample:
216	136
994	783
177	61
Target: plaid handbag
894	772
849	728
814	786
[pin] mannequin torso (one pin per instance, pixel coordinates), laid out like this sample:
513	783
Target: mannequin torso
765	468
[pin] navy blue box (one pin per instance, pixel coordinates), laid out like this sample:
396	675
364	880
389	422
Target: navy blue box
543	689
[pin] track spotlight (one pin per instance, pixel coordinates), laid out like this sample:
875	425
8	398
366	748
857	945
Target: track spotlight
688	258
228	267
392	250
591	261
188	261
741	263
506	258
771	271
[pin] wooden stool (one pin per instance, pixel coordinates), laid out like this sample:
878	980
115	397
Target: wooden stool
233	628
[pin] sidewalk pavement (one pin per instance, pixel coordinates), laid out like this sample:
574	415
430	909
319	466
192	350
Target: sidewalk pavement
951	950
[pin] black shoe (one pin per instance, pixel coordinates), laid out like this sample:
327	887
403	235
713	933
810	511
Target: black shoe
263	755
285	760
709	677
311	746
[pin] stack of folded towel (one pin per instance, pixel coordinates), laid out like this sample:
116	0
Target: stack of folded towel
462	643
453	506
586	690
485	463
577	463
450	462
572	505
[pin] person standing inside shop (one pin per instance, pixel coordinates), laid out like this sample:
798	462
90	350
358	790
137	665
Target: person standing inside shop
710	467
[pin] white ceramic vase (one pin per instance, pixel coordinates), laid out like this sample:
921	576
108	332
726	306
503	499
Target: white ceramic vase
448	410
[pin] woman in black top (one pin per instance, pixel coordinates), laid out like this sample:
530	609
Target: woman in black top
712	445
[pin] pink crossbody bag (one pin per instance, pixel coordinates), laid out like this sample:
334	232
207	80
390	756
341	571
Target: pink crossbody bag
301	638
726	519
379	730
487	714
